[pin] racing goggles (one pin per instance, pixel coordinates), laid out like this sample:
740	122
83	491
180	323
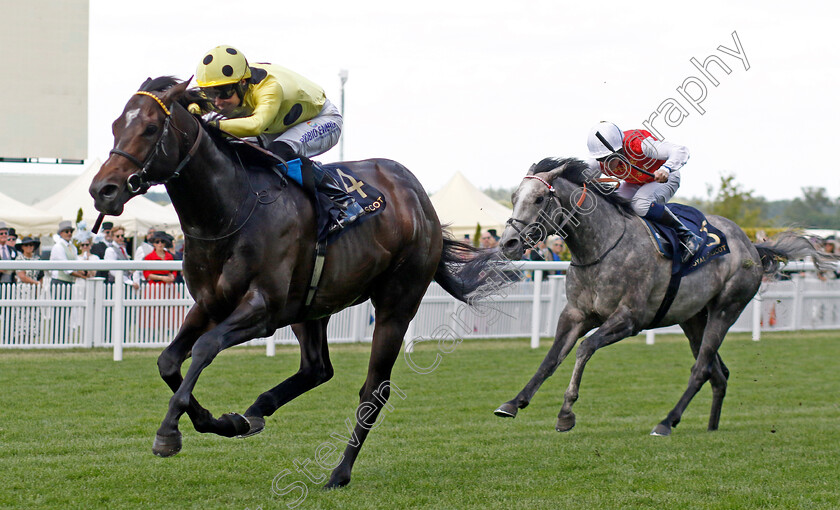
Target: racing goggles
220	92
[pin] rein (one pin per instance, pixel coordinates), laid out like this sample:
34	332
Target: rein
259	196
544	211
138	182
555	199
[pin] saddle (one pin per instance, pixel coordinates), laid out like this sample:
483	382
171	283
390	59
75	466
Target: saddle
368	197
665	239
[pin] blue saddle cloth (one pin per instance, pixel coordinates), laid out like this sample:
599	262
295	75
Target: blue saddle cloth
371	199
714	241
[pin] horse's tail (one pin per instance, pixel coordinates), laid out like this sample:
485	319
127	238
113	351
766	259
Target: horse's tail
463	270
790	245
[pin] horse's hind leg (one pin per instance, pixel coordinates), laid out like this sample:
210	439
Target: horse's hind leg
720	374
315	369
705	332
396	305
693	329
570	327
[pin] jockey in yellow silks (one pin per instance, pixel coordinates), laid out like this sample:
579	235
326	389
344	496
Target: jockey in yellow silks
290	115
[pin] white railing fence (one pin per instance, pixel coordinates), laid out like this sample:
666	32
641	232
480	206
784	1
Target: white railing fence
94	313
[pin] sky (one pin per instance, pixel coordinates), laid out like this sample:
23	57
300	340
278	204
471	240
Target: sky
489	87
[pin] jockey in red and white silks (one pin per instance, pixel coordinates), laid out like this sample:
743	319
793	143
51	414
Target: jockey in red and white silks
649	170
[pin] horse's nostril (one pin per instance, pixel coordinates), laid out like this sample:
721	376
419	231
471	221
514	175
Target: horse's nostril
511	243
108	191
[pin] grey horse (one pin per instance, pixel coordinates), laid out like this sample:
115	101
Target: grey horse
617	281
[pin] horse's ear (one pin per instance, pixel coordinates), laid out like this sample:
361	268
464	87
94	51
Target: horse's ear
175	92
531	170
555	173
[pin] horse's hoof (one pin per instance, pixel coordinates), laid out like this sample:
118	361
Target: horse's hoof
661	430
506	410
565	422
256	424
233	424
166	446
336	483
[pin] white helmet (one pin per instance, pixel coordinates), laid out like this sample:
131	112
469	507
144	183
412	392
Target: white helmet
609	132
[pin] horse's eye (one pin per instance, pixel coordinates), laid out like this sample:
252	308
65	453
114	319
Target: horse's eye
539	200
150	130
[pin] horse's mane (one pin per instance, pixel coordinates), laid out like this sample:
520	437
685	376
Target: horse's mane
190	96
577	172
159	84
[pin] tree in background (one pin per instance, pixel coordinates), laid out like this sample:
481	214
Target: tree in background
735	203
814	210
477	236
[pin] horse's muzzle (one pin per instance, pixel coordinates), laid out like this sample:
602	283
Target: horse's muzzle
512	248
106	198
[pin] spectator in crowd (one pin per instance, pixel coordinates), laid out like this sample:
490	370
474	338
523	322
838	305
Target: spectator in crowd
118	252
11	240
178	254
162	242
145	248
65	250
555	249
6	253
27	247
27	319
101	243
154	322
85	239
488	240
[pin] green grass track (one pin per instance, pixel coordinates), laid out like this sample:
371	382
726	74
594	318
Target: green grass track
76	431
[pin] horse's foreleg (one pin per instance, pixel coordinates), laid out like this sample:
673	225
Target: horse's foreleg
315	369
618	326
170	360
708	365
570	327
246	322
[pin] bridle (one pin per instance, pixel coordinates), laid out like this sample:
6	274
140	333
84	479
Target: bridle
139	182
544	212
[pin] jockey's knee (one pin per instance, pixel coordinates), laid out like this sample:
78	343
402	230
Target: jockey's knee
641	206
282	149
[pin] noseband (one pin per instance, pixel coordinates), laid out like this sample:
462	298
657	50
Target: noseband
139	181
544	212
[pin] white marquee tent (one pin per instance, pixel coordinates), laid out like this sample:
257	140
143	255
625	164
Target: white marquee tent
25	219
463	206
139	215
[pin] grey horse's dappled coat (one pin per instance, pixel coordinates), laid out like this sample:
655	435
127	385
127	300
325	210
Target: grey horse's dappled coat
618	280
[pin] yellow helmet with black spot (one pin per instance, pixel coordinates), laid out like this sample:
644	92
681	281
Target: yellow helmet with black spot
222	65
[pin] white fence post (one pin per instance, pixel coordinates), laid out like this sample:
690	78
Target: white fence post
99	312
756	317
117	315
798	283
409	336
535	309
650	337
87	326
553	286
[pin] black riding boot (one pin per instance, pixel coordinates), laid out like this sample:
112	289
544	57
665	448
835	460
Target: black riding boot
349	209
690	241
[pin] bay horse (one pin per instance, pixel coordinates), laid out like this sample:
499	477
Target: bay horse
249	255
617	281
